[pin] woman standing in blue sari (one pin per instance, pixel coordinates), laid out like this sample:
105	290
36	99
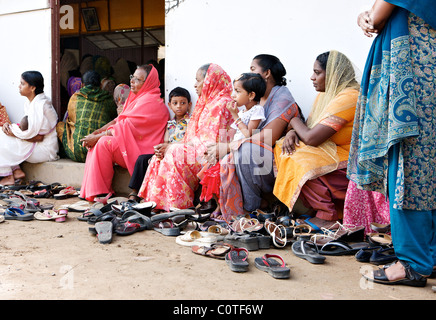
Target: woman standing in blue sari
393	148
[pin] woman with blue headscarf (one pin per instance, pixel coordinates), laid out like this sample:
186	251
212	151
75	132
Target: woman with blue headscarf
393	148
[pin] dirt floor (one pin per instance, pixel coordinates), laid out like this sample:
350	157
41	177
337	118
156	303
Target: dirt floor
47	260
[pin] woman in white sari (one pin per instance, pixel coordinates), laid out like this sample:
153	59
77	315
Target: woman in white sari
36	143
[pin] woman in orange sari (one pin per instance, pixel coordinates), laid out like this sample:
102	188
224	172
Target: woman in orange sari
172	175
312	158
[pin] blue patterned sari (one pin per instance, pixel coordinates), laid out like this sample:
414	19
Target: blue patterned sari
397	105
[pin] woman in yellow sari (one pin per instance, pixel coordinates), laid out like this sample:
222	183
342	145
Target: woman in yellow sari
312	158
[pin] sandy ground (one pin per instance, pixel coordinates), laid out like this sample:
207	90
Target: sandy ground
46	260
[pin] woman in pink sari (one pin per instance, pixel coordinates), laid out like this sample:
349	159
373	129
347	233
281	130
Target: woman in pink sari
140	126
172	176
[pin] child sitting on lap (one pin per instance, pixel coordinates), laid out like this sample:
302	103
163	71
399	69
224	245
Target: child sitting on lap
249	88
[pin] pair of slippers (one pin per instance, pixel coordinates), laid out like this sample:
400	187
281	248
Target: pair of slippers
46	215
273	264
130	223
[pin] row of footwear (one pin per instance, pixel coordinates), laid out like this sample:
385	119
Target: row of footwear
237	259
18	206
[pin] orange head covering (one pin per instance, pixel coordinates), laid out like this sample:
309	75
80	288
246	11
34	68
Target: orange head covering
210	112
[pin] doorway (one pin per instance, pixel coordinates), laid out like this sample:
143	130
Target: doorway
104	35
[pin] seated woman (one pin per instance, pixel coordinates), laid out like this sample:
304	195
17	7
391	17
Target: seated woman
38	143
312	158
247	175
88	110
171	179
140	126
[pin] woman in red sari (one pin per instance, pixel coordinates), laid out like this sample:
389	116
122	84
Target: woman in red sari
140	126
172	176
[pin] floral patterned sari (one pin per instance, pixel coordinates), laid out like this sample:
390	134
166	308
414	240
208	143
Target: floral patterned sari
172	181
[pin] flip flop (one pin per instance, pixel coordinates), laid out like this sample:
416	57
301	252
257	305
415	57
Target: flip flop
46	215
194	237
104	231
276	269
79	206
236	259
66	193
167	228
216	251
340	248
131	222
167	215
17	214
307	250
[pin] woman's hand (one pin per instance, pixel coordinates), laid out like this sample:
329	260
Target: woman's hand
37	138
290	142
160	149
7	130
90	140
215	152
364	21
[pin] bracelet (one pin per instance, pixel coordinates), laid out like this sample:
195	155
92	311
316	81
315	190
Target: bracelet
107	132
238	122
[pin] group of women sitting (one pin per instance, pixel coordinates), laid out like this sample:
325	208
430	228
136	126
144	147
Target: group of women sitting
382	137
287	156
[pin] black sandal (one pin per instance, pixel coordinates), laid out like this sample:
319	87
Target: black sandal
412	277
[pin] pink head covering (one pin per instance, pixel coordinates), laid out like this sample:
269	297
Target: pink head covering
142	123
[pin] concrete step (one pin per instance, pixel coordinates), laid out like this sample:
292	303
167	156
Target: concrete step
70	173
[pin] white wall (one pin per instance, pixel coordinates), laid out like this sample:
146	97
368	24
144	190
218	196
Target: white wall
25	42
231	32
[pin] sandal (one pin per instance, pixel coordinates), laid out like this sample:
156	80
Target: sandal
236	259
194	237
167	228
379	239
307	250
44	193
340	248
66	193
268	263
104	231
132	222
277	233
246	224
263	216
45	215
412	278
17	214
216	251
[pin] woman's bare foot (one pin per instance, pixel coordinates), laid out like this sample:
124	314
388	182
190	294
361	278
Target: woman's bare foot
8	181
19	174
395	272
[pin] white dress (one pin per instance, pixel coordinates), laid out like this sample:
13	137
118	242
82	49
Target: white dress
255	113
42	119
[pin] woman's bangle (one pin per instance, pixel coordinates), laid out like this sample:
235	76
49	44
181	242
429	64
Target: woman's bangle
238	122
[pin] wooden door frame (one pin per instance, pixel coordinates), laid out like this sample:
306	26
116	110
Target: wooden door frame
55	56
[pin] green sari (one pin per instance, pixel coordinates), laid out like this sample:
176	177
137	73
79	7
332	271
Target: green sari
88	110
